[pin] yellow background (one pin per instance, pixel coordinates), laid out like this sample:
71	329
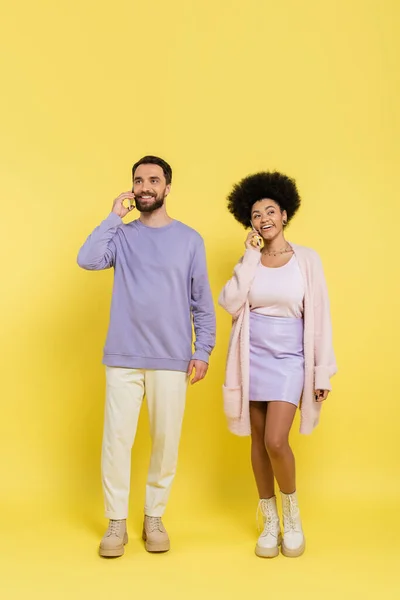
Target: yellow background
220	89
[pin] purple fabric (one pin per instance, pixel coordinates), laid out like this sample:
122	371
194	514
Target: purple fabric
276	358
160	285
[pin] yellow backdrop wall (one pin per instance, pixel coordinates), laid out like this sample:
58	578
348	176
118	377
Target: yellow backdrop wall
220	89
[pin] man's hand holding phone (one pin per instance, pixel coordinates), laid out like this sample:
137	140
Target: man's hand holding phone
123	204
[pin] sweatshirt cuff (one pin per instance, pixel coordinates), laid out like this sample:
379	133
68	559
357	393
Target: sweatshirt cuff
251	257
113	220
322	378
201	355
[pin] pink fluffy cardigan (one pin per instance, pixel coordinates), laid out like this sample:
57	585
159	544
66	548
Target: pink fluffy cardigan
319	358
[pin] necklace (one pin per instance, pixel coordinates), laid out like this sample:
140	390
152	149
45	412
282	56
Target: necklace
276	252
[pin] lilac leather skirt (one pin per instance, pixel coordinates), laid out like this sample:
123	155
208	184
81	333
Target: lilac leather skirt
276	359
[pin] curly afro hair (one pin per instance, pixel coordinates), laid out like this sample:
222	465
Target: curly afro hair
266	184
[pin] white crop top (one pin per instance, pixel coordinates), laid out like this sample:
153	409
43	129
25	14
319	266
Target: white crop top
278	292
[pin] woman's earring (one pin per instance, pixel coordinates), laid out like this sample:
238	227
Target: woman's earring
284	222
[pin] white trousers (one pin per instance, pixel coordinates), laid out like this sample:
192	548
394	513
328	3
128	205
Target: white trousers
166	394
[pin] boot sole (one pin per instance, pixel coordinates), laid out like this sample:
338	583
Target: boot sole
268	552
159	547
114	552
293	553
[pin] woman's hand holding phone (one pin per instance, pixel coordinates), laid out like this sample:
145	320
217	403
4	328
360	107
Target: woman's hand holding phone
253	241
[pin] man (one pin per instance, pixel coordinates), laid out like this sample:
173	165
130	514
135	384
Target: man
160	284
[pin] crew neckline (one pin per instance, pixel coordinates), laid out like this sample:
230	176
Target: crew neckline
163	228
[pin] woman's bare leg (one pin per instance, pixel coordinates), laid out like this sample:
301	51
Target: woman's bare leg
278	422
260	460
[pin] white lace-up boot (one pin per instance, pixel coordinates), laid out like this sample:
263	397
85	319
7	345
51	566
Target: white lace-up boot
293	543
270	538
114	539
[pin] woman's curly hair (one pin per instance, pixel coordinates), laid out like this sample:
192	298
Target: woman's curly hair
267	184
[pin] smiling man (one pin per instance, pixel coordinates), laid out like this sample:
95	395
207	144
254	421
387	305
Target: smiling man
160	285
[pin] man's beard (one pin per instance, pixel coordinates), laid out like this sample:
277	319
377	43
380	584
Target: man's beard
147	207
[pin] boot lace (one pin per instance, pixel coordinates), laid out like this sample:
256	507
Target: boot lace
154	524
114	527
265	518
291	515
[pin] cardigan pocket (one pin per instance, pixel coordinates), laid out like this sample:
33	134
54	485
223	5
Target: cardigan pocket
232	401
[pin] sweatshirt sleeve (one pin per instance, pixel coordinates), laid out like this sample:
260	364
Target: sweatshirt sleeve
325	363
236	290
98	252
202	306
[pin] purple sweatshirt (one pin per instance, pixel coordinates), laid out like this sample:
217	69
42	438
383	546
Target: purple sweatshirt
160	282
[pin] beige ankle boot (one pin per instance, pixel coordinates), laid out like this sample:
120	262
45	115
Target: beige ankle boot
270	539
114	539
154	535
293	543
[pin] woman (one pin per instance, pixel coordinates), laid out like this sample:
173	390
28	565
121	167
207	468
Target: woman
280	352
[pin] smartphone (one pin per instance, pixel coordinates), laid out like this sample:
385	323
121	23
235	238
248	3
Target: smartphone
132	201
259	238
